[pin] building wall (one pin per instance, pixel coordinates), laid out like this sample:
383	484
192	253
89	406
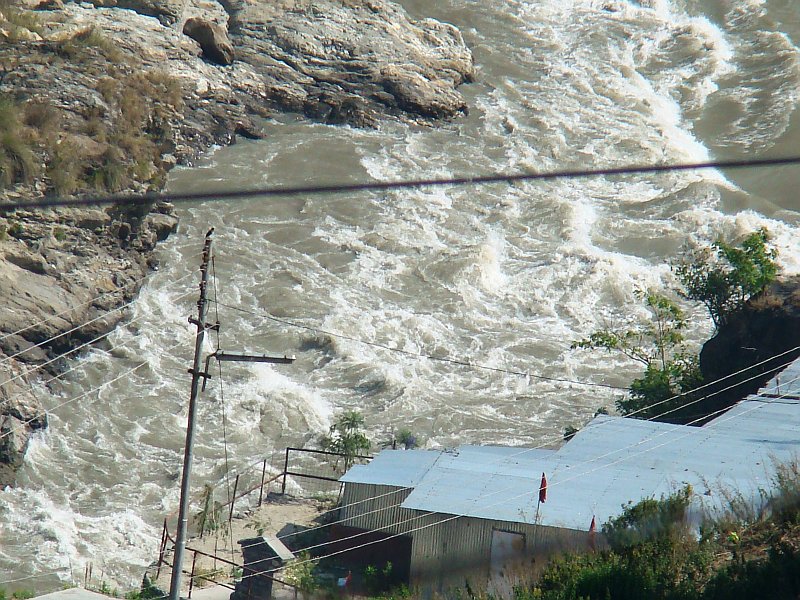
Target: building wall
448	555
375	508
449	552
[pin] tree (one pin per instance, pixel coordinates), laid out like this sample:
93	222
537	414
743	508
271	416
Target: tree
345	437
725	276
670	371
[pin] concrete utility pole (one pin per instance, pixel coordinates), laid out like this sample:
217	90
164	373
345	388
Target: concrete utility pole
197	375
200	322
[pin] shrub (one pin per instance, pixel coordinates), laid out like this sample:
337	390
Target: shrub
17	162
670	371
345	437
725	276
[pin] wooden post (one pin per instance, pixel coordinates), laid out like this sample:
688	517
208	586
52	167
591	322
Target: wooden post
233	499
191	576
263	475
285	469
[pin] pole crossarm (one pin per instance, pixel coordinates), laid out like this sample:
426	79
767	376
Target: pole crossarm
222	355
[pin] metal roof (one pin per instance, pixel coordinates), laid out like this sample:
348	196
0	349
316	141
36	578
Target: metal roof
399	468
610	462
75	593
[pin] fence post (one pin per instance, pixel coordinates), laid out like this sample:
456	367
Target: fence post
263	475
285	468
161	548
233	499
191	577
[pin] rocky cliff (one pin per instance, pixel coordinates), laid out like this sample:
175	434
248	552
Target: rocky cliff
107	96
768	326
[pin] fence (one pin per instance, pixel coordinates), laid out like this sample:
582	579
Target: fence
202	575
299	472
318	469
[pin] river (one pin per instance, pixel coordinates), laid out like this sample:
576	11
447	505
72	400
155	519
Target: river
500	276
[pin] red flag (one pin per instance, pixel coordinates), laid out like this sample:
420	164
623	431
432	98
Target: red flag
592	530
543	489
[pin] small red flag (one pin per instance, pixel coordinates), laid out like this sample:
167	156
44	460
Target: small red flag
543	489
592	530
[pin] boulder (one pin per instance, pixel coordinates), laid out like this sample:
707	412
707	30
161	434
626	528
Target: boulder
317	57
20	415
163	225
213	40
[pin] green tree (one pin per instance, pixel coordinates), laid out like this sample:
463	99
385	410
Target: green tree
670	371
725	276
345	437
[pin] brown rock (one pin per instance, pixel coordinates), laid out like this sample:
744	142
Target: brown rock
213	40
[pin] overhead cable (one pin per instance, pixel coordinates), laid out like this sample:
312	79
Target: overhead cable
691	431
72	330
310	190
445	359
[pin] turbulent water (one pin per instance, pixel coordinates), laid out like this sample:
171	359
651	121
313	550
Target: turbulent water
500	276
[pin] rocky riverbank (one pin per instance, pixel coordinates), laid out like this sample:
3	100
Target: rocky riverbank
107	96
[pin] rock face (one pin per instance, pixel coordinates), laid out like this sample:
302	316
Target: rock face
108	95
63	276
352	61
768	326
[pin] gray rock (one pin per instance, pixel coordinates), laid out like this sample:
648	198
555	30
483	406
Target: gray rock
20	415
213	40
163	225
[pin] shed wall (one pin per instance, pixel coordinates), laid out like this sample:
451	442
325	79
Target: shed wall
454	552
375	507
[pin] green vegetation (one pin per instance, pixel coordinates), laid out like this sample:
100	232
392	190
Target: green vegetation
209	518
378	579
345	437
107	146
722	277
670	371
300	573
725	276
652	553
18	24
79	47
17	595
147	591
17	162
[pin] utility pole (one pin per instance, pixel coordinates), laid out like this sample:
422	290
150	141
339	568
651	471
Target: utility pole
197	375
183	517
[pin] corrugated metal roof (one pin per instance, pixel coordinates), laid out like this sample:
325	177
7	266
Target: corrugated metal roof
610	462
73	594
401	468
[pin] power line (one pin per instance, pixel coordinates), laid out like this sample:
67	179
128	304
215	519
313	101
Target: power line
594	459
445	359
74	329
71	309
308	190
95	389
526	450
692	431
40	366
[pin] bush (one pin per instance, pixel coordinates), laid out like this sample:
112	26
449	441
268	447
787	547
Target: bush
725	276
652	556
670	371
17	162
